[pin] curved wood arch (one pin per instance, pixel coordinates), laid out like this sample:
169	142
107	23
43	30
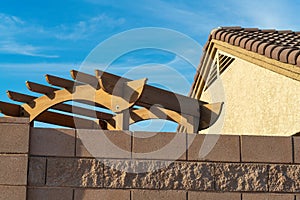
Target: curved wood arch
82	93
164	120
159	113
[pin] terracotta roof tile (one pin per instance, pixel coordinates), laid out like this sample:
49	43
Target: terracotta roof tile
283	57
228	36
255	45
237	41
298	60
261	49
250	43
292	57
269	50
223	36
283	45
268	31
251	29
244	41
217	33
232	39
276	52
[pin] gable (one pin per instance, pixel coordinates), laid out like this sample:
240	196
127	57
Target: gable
261	85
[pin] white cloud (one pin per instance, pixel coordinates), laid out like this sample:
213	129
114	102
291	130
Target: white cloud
175	75
179	15
12	30
188	18
12	47
197	18
84	29
41	67
35	71
14	33
9	21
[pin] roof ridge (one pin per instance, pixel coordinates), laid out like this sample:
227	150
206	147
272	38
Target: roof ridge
255	29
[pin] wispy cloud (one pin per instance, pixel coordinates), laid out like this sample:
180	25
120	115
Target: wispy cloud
12	29
84	29
9	24
40	67
179	15
175	75
17	36
197	18
12	47
182	15
278	14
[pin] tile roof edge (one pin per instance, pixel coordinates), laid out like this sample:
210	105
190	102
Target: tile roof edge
234	34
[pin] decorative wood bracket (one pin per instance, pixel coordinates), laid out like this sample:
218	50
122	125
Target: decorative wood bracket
124	97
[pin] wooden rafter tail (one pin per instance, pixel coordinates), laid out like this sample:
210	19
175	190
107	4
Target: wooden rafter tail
39	88
109	81
19	97
61	82
66	120
210	114
24	98
141	114
85	78
10	109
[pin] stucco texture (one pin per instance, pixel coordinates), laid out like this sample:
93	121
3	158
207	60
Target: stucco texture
258	101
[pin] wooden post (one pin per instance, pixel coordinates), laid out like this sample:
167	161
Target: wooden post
191	124
122	120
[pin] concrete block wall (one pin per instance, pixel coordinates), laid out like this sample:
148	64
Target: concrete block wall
93	164
14	149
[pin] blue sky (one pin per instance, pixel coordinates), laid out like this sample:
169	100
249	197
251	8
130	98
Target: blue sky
39	37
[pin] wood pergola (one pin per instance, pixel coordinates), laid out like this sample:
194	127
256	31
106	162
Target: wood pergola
128	102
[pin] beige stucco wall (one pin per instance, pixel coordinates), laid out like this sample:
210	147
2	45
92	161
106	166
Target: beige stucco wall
259	101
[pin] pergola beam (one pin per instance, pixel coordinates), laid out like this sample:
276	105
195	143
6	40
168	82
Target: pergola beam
13	110
85	78
24	98
66	120
61	82
19	97
39	88
42	89
10	109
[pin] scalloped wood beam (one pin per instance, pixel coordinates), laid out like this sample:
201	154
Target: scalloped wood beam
24	98
42	89
13	110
